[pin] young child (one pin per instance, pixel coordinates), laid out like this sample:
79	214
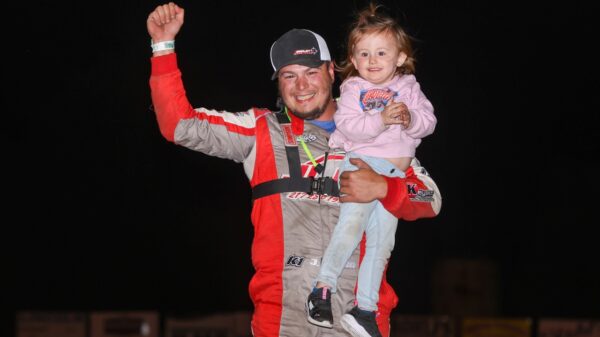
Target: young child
382	116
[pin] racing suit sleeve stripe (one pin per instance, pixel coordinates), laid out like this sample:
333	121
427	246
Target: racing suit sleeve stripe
216	118
410	206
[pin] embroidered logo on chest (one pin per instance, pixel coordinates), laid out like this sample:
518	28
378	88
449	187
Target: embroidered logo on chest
307	138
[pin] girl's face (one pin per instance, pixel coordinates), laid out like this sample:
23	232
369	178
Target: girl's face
376	57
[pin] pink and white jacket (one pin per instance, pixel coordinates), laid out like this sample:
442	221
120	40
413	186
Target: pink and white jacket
360	129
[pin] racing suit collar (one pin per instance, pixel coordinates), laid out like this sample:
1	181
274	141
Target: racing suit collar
297	124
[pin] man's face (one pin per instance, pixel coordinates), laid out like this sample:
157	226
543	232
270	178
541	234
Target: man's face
306	91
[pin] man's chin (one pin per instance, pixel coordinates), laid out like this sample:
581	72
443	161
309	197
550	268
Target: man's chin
308	115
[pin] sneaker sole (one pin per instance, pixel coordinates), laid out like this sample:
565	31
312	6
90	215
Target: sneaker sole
351	326
324	324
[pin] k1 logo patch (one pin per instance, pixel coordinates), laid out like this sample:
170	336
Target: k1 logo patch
415	194
295	261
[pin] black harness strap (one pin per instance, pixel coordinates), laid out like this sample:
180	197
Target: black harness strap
280	186
295	183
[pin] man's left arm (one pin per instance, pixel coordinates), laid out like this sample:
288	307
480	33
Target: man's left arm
410	198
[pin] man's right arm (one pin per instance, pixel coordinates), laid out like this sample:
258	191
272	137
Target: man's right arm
216	133
163	24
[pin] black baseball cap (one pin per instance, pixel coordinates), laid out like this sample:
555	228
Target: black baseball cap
298	46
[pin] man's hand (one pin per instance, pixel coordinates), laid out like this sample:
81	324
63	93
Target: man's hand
164	22
362	185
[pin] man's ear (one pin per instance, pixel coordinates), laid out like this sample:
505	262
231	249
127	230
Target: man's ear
331	70
401	59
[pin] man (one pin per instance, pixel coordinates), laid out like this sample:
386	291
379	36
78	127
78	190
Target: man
292	172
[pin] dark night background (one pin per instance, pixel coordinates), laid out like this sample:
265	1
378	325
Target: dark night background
104	214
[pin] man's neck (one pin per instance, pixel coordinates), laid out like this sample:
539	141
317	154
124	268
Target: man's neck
329	112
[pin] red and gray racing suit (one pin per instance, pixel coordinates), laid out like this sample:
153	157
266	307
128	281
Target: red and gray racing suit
291	229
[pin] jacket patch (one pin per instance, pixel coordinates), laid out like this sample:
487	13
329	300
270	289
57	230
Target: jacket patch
415	194
295	261
288	136
376	99
307	138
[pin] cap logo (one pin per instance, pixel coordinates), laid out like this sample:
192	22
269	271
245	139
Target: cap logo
311	51
298	46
